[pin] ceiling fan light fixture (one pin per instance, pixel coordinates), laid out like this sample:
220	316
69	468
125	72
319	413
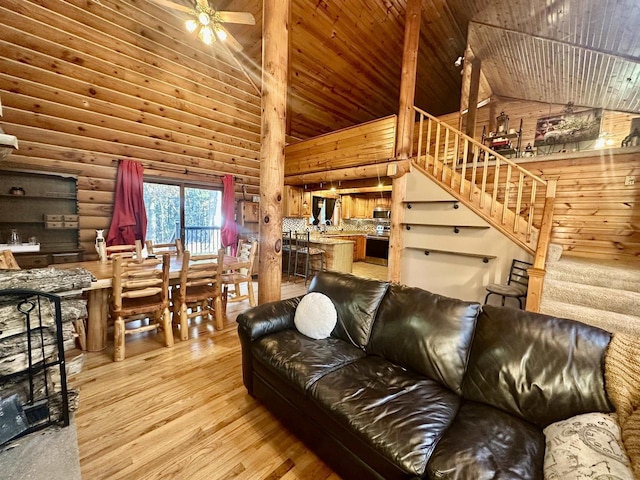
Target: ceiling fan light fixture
221	34
206	35
191	25
204	18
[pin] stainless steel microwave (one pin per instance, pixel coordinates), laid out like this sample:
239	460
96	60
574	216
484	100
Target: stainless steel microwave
381	212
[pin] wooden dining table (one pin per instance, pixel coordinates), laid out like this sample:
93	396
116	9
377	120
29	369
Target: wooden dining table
98	294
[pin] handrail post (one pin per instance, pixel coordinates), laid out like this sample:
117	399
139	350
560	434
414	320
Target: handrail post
536	274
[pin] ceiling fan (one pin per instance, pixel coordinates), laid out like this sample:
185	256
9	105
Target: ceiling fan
208	22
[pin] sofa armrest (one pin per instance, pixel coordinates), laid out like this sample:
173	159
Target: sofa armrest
267	318
260	321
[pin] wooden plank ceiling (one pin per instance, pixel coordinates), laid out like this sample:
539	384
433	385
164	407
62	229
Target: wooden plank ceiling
345	54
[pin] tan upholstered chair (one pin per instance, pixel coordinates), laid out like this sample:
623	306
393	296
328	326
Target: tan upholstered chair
199	291
241	274
140	290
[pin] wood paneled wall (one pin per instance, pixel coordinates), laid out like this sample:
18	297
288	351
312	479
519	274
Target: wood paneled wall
364	144
87	83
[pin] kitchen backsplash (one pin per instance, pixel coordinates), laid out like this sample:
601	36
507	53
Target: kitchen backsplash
353	225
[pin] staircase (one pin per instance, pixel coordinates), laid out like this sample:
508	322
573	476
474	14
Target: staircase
496	188
602	294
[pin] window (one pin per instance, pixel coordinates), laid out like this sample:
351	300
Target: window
190	213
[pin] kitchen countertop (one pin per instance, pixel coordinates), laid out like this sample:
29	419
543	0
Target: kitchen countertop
327	240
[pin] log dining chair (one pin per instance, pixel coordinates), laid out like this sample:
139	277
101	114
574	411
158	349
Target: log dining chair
173	248
199	291
8	261
242	273
307	254
140	289
125	251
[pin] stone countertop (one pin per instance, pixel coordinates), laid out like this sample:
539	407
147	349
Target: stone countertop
327	240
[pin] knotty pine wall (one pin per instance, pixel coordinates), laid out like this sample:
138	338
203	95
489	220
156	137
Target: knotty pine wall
596	215
86	83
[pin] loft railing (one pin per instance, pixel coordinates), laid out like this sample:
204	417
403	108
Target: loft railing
453	157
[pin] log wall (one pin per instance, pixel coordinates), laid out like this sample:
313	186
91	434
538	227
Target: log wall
86	83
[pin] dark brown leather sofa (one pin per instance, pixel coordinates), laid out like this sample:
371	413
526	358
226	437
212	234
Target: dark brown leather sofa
415	385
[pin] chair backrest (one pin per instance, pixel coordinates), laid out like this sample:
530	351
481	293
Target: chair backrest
174	248
8	261
518	273
246	259
202	270
134	279
301	239
125	251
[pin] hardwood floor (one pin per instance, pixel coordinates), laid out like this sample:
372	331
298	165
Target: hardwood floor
183	412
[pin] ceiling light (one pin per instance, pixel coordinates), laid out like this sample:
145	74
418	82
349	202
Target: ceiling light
222	35
206	35
191	25
204	18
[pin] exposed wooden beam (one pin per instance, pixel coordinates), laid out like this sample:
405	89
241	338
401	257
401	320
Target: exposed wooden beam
406	121
474	87
274	108
376	170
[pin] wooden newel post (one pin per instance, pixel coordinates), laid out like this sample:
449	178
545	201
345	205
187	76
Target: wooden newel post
404	133
275	28
536	274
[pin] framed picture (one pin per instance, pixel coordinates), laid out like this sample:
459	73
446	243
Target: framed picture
564	128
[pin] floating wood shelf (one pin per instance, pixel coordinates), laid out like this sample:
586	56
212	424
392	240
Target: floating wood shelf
427	251
454	202
456	228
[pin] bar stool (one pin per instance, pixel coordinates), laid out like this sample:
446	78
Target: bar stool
287	251
307	254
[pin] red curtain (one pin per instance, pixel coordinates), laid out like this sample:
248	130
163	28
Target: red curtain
229	232
129	221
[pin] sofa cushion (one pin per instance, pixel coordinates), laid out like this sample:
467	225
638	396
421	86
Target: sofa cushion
538	367
398	413
316	316
427	333
356	300
301	359
486	443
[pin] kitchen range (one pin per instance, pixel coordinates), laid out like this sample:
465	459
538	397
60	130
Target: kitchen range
377	250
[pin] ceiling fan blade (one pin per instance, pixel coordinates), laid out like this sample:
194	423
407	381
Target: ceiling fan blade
230	40
203	3
174	5
237	17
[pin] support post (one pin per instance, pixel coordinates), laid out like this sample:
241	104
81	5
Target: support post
275	28
404	138
536	274
474	87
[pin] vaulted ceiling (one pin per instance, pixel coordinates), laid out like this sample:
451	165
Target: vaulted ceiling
345	55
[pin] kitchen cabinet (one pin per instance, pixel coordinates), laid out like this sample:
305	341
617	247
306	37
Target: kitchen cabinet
247	216
359	245
296	202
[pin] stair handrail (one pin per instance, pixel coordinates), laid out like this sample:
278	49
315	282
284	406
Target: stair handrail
473	141
478	151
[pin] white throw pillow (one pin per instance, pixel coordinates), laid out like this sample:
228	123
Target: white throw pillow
316	316
586	446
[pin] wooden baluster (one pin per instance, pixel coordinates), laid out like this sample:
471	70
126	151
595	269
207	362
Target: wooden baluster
485	168
534	185
454	164
463	173
420	140
507	188
516	219
428	152
446	152
494	194
474	171
437	151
